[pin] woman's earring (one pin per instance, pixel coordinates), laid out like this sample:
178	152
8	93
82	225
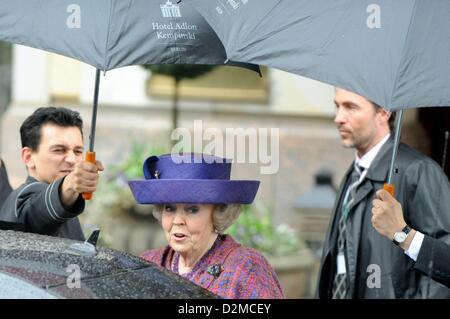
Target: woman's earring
216	231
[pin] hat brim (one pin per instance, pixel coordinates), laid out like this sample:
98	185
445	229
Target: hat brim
197	191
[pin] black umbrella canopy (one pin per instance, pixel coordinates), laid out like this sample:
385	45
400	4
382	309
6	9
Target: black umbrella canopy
36	266
109	34
395	53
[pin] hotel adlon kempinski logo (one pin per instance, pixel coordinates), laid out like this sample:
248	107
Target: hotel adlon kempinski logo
174	30
170	10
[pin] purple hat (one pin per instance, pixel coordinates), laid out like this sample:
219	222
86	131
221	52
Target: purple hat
191	178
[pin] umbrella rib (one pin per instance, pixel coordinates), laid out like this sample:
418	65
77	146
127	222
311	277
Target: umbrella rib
262	19
394	86
250	32
273	32
105	53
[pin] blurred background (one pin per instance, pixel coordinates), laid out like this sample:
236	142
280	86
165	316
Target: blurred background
136	117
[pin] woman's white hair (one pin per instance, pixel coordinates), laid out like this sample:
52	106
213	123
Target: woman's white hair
223	216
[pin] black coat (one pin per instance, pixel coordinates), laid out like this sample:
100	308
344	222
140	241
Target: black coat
5	187
434	260
424	192
37	206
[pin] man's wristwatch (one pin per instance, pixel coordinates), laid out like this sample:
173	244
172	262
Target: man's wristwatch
400	237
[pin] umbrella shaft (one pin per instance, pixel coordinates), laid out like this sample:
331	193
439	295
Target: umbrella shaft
398	129
94	111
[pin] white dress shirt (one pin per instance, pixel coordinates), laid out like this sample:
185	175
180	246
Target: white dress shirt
366	160
414	247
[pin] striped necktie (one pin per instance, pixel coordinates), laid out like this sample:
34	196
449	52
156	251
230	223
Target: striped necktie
340	282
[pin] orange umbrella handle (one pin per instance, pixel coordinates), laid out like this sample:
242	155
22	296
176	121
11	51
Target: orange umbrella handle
90	157
389	188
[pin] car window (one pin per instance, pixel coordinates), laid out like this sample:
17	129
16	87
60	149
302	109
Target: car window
16	288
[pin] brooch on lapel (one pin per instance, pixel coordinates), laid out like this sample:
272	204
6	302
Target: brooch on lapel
215	270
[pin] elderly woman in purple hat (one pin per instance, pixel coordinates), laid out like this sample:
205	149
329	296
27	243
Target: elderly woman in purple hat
195	201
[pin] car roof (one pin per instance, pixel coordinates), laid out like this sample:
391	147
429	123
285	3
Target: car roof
50	264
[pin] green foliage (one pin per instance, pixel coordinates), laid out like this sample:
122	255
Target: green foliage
113	201
255	228
113	193
131	166
180	71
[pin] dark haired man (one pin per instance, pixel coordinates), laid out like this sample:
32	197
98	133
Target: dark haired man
50	199
357	261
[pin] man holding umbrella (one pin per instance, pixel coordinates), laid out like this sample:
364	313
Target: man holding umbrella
357	261
51	198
